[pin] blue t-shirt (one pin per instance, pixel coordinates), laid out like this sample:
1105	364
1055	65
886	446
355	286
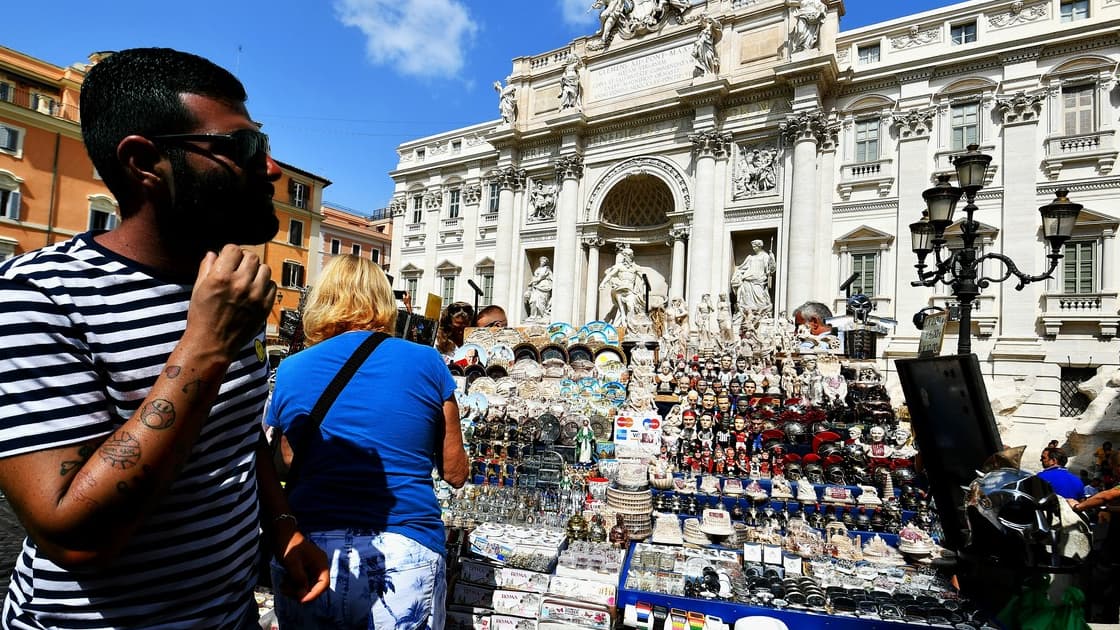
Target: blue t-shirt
1064	483
369	466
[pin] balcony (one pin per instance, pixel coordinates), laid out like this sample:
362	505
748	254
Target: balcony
1097	148
877	174
984	316
451	230
46	104
414	228
1098	309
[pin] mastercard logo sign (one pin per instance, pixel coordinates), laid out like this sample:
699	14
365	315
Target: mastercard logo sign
625	422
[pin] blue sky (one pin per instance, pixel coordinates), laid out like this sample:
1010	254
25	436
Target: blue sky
338	84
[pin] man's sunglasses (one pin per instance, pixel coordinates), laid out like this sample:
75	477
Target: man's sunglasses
243	146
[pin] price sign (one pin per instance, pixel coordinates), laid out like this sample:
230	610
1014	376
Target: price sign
933	331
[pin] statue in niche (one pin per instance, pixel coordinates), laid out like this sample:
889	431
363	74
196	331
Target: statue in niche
569	85
723	321
538	297
704	54
543	200
756	173
806	32
752	278
624	280
705	326
507	102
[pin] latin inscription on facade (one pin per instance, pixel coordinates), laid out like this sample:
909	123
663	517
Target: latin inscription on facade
635	75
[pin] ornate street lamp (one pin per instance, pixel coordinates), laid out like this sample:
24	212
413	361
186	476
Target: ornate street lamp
958	268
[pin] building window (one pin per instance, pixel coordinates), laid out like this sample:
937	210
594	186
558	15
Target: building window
868	54
295	233
101	220
447	291
293	275
963	33
487	288
419	154
9	204
43	104
1073	402
412	285
1079	267
418	208
456	146
7	91
453	203
336	246
11	140
375	255
864	265
1077	108
356	249
965	125
297	192
1073	10
495	195
867	140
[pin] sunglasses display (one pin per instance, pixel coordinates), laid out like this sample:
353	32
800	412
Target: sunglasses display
243	146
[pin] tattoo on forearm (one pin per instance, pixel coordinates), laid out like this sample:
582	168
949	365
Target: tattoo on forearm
194	386
121	451
158	414
173	371
141	483
70	466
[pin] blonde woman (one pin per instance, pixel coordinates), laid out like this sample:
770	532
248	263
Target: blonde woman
364	492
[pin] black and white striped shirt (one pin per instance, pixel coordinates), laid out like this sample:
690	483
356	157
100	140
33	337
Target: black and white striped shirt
84	333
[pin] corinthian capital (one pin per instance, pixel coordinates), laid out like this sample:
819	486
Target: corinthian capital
1020	107
710	142
569	166
807	125
397	207
915	123
679	233
593	241
510	178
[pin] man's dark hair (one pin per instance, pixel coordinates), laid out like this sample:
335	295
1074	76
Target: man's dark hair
491	309
1058	455
813	310
1107	445
137	92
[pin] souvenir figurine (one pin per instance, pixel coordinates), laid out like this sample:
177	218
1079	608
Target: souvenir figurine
585	443
619	535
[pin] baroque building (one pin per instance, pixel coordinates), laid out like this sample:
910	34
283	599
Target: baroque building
685	131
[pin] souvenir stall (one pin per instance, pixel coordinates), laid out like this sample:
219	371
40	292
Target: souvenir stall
663	473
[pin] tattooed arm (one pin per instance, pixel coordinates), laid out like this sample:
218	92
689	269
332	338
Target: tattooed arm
81	504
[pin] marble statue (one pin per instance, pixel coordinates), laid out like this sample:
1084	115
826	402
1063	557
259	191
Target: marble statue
807	30
543	200
627	290
723	321
569	85
611	14
507	102
756	172
705	326
538	297
704	54
752	278
632	18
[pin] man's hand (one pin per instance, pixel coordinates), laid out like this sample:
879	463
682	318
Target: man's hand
308	572
231	299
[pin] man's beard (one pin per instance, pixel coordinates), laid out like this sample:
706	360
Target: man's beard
212	209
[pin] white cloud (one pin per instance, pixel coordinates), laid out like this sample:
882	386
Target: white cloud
417	37
575	12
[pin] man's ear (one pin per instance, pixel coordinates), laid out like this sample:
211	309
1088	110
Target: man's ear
140	158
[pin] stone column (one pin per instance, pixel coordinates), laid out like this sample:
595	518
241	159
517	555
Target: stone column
397	209
824	288
677	237
707	144
505	293
569	168
1018	311
803	131
914	128
1108	261
593	243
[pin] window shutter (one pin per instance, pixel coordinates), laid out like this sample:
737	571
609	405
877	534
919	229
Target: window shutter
9	138
12	211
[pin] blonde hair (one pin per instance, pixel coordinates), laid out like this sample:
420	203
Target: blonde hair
352	294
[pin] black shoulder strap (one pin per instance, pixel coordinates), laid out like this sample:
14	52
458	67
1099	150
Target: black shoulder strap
331	393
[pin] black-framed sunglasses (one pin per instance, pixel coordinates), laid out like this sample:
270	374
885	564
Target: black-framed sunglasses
242	145
459	307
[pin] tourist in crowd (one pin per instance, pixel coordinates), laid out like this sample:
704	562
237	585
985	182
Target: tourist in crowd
492	316
1054	472
1091	488
814	315
1105	458
453	323
135	370
364	488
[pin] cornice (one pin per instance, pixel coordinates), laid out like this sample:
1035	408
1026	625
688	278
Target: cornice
754	212
890	205
1098	183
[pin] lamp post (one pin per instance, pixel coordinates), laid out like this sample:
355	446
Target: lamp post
959	268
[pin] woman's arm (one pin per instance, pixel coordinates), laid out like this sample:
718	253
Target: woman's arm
453	466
